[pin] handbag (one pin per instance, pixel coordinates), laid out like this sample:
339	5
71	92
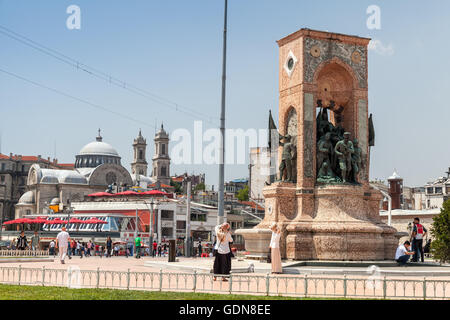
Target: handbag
231	252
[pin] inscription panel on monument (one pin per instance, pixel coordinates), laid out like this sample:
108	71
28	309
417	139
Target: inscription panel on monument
363	135
353	55
308	130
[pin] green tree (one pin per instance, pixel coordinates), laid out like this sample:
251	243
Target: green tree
440	229
243	194
200	187
178	188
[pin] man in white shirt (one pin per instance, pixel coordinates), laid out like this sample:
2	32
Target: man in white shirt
62	240
402	254
52	248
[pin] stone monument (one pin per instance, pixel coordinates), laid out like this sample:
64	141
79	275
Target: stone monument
324	205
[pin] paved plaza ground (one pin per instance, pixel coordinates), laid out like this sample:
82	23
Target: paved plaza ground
204	265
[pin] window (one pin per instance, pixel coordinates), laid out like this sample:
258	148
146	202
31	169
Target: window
166	215
166	232
3	166
28	212
141	155
438	190
198	217
23	168
163	148
2	179
430	190
163	171
181	225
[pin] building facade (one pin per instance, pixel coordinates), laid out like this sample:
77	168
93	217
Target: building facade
259	172
13	178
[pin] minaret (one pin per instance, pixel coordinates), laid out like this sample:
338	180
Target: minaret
395	190
161	159
139	164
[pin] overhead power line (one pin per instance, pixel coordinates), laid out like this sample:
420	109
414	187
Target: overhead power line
104	76
95	105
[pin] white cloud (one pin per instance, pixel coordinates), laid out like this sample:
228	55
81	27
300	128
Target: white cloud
380	48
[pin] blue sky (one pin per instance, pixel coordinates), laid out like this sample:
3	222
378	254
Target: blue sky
174	49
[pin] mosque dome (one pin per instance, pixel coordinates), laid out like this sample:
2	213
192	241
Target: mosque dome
96	153
99	148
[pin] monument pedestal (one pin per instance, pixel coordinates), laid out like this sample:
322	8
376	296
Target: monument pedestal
336	222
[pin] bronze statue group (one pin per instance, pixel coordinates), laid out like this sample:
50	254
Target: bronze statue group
339	159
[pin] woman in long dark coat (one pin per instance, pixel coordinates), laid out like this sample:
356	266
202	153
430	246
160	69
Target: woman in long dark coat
222	261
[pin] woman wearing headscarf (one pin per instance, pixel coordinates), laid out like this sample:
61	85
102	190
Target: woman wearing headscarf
275	249
222	262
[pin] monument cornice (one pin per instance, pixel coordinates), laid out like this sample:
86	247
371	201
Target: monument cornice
316	34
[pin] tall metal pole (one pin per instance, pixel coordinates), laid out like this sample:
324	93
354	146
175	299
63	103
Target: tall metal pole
221	213
136	225
188	217
150	227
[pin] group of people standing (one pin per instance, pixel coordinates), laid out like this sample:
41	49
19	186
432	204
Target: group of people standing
414	247
223	253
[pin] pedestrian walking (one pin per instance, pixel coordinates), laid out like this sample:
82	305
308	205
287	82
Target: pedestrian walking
97	249
62	239
69	249
222	261
79	249
155	246
418	233
108	247
35	242
89	247
73	247
138	244
199	247
159	250
275	249
51	249
22	242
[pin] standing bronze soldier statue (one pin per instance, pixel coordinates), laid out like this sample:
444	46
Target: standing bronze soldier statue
357	163
344	150
324	150
286	158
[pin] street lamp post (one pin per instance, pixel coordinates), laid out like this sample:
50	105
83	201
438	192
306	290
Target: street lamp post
3	209
150	226
69	210
221	209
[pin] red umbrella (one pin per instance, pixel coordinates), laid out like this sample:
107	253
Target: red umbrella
99	194
156	193
56	221
38	220
126	193
75	220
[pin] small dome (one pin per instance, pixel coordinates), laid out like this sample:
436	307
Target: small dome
98	148
394	176
54	201
27	198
